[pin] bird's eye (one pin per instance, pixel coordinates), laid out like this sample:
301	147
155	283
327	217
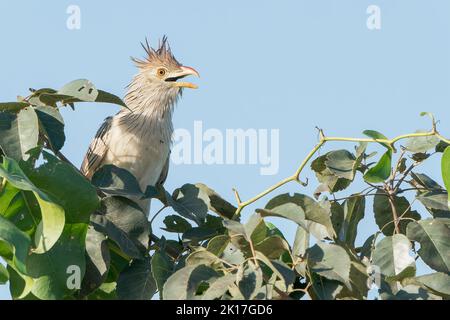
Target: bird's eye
161	72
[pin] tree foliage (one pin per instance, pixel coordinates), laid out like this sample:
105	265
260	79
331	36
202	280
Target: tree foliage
64	237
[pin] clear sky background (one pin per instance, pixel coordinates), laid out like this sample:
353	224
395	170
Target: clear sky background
287	65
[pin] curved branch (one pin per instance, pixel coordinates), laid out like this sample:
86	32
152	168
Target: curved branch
322	141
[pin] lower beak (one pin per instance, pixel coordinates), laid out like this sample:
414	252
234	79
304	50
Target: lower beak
184	72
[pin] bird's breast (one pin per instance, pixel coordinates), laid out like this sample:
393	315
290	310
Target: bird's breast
142	153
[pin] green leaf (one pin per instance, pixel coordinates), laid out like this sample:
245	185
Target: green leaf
392	257
98	260
4	274
219	287
194	201
162	269
81	89
62	265
436	203
116	181
445	169
136	281
297	208
330	261
125	223
7	194
218	244
20	285
330	181
438	283
183	284
19	133
107	97
61	182
381	171
354	208
421	144
272	247
249	280
281	271
421	180
198	234
383	213
301	243
53	219
176	224
341	163
433	236
377	135
12	106
51	125
202	256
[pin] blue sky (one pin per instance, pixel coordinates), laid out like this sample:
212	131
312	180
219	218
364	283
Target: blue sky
287	65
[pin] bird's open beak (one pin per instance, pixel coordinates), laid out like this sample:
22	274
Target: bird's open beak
183	72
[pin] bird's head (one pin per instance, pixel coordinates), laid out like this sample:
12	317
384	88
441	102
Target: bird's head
160	71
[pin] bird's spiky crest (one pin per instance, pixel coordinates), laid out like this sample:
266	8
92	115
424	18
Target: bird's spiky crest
161	56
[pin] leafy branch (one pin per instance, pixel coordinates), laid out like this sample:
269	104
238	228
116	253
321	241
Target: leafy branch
322	141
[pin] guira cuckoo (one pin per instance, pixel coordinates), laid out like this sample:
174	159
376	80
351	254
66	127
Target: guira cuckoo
138	139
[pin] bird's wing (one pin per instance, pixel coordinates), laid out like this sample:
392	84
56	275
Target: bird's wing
164	172
97	150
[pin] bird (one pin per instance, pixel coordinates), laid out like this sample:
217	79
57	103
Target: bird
139	137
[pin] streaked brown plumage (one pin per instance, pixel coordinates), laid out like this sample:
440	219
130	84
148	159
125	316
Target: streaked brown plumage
139	139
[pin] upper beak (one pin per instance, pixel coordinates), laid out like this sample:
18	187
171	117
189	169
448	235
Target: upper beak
184	72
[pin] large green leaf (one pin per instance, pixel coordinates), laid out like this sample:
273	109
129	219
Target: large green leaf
433	236
249	280
297	208
436	202
438	283
53	219
162	269
125	223
52	126
377	135
330	261
18	240
219	287
117	181
194	201
183	284
98	260
354	208
421	144
279	269
19	133
82	89
177	224
391	256
381	171
55	269
136	282
107	97
301	243
383	213
67	187
273	247
342	165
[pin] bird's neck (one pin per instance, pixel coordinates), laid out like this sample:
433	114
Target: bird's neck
150	109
